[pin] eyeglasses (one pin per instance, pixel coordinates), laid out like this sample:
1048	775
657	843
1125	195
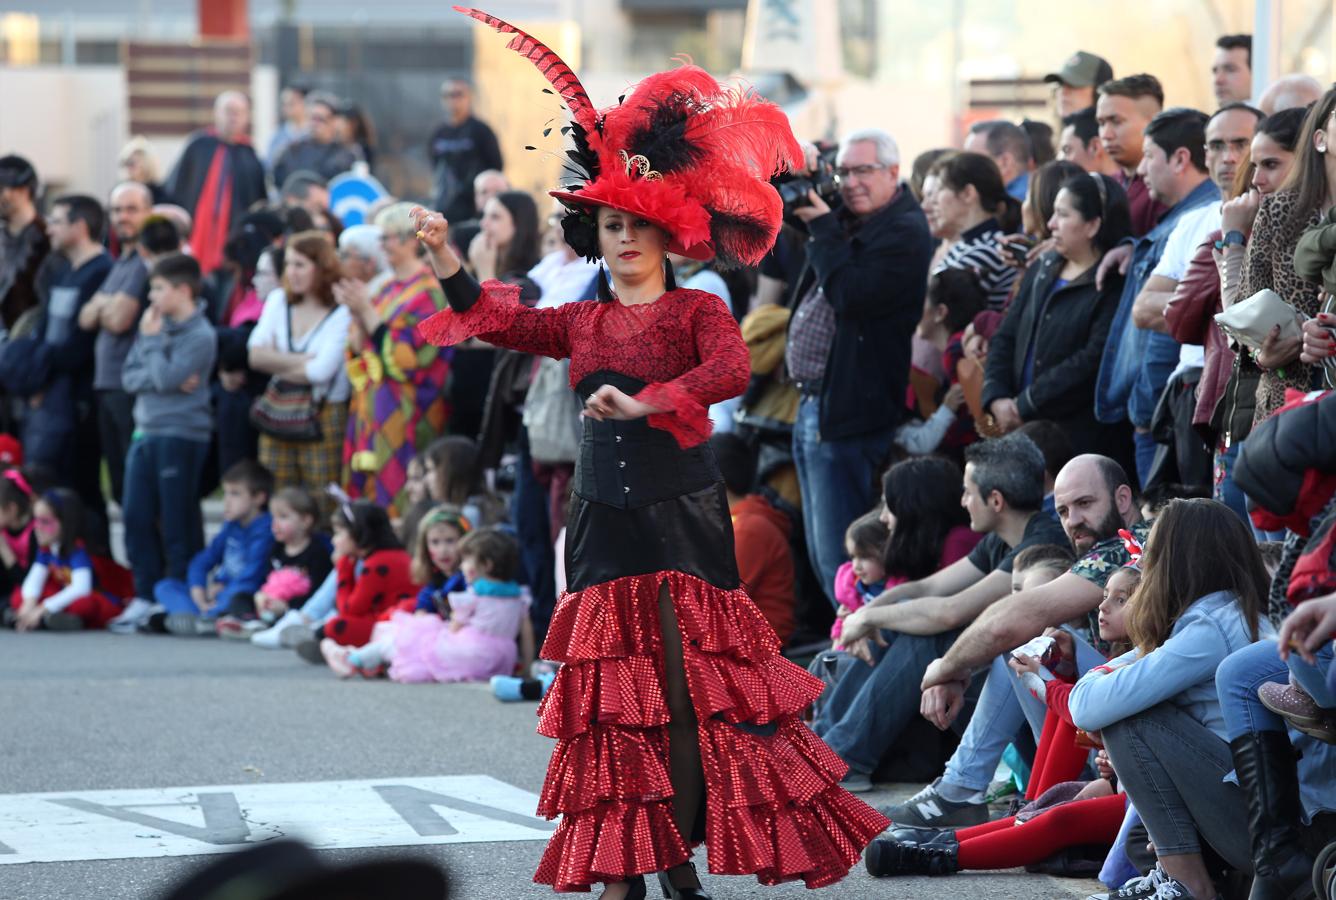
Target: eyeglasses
844	173
454	95
1238	145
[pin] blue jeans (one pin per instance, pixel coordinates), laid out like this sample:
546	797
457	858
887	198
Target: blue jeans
1004	706
1145	449
1173	769
1227	492
835	478
996	720
1242	673
1314	678
173	595
1236	682
320	605
164	527
870	706
529	509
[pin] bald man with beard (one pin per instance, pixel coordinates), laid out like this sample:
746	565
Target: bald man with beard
218	177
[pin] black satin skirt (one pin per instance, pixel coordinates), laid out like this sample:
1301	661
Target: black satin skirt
692	533
614	529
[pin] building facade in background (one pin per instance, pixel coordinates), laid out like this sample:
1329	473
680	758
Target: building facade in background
914	67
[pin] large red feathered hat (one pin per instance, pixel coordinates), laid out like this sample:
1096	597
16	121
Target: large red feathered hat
682	151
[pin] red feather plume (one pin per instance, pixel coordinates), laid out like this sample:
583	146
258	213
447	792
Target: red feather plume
562	78
748	129
712	150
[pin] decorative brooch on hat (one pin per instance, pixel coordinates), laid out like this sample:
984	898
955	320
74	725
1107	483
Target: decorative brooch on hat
681	151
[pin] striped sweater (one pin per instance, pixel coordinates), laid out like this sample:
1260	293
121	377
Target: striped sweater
980	249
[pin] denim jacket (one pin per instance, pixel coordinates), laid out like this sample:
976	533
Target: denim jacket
1180	671
1137	362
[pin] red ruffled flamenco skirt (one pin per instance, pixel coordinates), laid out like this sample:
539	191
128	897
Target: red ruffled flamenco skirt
773	805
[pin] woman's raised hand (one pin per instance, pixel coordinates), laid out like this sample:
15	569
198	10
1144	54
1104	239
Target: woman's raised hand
433	232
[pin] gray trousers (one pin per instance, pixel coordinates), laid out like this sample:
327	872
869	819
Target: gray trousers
1172	768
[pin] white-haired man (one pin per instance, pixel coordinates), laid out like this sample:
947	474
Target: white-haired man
858	299
216	203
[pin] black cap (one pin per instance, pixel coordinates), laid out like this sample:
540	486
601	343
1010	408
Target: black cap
15	171
1083	69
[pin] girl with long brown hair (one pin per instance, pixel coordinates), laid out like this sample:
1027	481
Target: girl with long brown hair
1200	599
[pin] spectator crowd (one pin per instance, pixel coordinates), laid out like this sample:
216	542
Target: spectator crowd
1037	462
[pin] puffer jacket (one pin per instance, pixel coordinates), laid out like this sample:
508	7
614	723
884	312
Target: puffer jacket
1288	464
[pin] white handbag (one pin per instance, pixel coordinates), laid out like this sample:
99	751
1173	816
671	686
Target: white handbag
1250	321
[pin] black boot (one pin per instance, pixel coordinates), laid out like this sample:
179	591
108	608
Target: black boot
885	856
1265	764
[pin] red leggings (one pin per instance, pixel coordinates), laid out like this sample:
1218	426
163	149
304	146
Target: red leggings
1003	844
1057	759
95	609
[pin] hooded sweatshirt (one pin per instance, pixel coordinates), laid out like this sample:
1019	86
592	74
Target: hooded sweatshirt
156	368
765	560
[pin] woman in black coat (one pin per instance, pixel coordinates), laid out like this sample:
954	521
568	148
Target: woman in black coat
1043	361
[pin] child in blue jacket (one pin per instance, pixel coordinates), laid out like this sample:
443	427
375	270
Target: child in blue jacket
234	562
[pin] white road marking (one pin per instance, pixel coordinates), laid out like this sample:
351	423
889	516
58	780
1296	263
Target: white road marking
123	824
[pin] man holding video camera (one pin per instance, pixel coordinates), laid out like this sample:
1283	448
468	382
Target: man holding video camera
855	306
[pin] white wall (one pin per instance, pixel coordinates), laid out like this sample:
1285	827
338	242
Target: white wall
71	122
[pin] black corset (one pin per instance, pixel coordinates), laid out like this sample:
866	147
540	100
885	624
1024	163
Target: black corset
629	464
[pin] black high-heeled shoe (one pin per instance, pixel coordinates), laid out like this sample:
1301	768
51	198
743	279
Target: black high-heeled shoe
671	892
637	891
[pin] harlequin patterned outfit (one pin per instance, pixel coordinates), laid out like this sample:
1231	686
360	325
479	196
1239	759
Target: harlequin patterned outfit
399	403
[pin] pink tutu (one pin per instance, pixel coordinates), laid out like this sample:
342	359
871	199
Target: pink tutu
425	649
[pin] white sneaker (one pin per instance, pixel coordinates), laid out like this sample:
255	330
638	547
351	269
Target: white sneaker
294	634
134	615
269	639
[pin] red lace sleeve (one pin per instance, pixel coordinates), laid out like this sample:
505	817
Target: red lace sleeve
722	373
498	318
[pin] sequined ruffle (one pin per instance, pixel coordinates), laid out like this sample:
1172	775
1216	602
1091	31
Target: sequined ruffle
774	805
605	691
621	618
610	842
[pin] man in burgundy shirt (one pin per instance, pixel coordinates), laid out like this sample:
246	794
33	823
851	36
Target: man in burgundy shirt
1123	109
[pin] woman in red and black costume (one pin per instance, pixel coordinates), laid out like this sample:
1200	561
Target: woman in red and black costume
676	718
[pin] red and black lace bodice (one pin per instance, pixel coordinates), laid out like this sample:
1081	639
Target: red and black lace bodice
685	346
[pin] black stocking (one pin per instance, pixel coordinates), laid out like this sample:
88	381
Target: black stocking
684	765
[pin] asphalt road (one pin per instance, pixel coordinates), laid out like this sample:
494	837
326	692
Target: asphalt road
87	712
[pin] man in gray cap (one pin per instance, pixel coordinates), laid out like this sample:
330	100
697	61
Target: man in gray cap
1077	80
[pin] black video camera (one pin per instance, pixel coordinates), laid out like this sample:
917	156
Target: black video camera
793	189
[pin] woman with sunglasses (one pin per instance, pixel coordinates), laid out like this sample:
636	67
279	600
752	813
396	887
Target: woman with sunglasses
1043	361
